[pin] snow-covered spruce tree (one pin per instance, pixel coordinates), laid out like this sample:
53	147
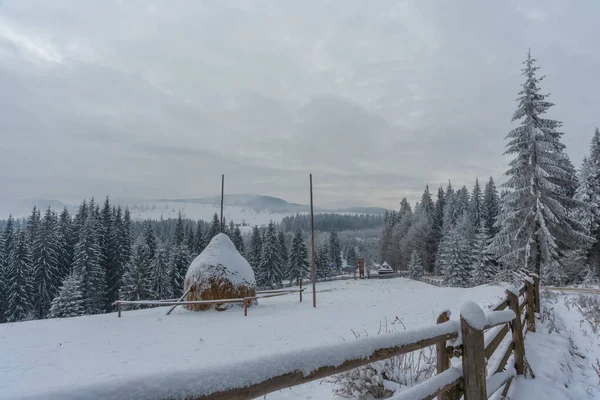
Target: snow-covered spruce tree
200	237
18	278
86	264
116	258
190	240
536	227
46	274
419	238
6	239
149	239
215	227
352	258
3	287
160	277
69	301
137	281
65	247
126	238
298	263
483	269
179	233
322	263
490	206
33	224
284	254
476	205
415	268
238	241
270	268
178	265
455	255
335	251
255	251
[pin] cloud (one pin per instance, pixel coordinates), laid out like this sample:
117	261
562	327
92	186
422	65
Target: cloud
150	98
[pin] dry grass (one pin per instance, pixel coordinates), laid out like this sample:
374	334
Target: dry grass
217	289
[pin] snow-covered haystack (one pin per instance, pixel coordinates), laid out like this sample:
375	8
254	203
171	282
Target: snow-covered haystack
219	272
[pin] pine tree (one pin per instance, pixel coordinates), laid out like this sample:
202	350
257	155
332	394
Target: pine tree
270	270
200	242
284	254
238	241
126	238
105	227
476	205
117	257
483	269
78	222
179	234
298	264
455	259
178	265
86	264
65	247
18	278
352	258
7	239
490	207
215	226
536	227
415	268
46	273
137	278
33	224
3	285
335	251
69	301
160	277
255	249
190	240
322	263
149	240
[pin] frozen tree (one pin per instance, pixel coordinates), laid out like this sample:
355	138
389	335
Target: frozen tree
149	239
179	234
335	251
476	204
427	204
178	265
483	269
137	280
69	301
46	273
117	258
415	268
455	255
419	238
284	254
3	287
160	277
6	241
352	258
190	240
322	263
33	224
270	268
18	278
536	226
200	237
255	249
298	263
215	227
65	246
490	206
238	240
86	264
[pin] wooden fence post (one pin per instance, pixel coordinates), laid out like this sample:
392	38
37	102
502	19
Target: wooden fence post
473	356
119	308
443	361
517	332
530	307
536	288
245	307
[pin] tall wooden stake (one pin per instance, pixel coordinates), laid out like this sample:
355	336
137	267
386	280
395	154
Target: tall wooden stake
222	195
312	229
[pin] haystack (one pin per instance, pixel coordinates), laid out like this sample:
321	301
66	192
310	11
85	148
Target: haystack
219	272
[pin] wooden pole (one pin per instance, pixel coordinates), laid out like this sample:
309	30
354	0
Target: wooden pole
119	309
473	361
178	300
536	289
529	298
312	229
443	361
300	290
222	195
517	332
245	307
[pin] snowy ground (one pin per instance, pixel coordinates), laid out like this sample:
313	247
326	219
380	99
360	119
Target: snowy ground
40	357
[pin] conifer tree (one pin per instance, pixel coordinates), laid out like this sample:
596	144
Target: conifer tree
105	227
323	263
126	237
149	240
490	207
3	285
137	281
352	258
215	226
238	241
179	234
178	265
116	258
483	269
270	271
160	277
536	226
476	205
86	264
335	251
69	301
46	273
415	268
6	243
65	246
284	254
298	264
190	240
78	222
18	278
255	249
33	224
454	258
200	242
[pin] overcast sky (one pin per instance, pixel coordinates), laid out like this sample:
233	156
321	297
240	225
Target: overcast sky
157	98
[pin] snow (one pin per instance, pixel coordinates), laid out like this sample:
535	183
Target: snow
496	381
221	252
474	315
513	289
500	317
146	354
430	386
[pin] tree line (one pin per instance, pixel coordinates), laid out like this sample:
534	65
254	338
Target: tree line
327	222
546	220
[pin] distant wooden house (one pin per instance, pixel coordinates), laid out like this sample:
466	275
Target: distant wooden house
385	269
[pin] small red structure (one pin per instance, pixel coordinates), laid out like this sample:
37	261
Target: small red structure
361	268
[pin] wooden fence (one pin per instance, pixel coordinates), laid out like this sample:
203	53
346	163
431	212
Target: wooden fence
476	337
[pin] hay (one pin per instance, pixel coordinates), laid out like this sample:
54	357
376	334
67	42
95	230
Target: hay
217	289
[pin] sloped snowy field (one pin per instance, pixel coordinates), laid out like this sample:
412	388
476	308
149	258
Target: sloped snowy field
41	357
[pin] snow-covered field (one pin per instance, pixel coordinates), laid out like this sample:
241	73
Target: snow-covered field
40	359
